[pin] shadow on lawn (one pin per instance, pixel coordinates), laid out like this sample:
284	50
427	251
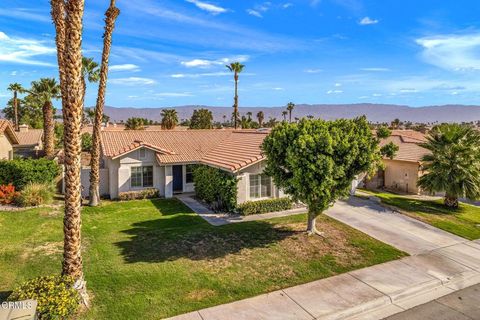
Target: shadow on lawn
4	295
188	236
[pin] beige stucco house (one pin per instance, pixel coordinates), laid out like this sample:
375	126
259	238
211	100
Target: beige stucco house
8	140
402	172
134	160
30	143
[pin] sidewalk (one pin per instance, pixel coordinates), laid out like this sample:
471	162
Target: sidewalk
440	264
220	219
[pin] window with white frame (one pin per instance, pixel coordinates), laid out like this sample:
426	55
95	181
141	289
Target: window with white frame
189	173
260	186
141	177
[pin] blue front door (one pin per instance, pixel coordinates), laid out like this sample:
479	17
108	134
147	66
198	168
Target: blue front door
177	178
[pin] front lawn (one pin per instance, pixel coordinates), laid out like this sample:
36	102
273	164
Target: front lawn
153	259
464	221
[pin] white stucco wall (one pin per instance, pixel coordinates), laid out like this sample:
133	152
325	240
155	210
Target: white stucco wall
243	184
6	149
85	180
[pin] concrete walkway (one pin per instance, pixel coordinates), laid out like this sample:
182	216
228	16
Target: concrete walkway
220	219
440	264
461	305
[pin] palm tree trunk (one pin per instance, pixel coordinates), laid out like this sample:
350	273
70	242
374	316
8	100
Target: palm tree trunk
290	116
48	130
235	103
15	110
111	15
68	23
450	201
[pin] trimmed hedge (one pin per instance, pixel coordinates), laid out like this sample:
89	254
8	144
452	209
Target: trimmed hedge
140	194
21	172
216	187
264	206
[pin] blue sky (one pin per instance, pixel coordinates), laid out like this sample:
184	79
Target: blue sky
173	52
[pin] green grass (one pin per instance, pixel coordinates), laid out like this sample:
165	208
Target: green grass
464	221
153	259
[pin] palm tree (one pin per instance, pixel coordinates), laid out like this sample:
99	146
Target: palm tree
16	88
284	114
236	68
453	166
224	119
249	115
68	21
169	119
90	73
94	192
44	91
290	107
260	118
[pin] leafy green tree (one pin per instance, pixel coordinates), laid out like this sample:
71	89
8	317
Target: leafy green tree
389	150
169	119
396	123
315	161
86	142
290	107
453	165
383	132
236	68
201	119
135	124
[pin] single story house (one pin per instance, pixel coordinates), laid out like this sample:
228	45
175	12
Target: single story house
135	159
402	172
8	139
30	142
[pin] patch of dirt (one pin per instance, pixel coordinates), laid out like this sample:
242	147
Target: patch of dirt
46	249
200	294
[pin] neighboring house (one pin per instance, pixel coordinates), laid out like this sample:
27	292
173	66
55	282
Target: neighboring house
402	172
8	139
30	142
134	160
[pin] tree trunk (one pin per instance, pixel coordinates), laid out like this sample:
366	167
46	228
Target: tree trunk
68	23
311	225
94	192
48	130
235	103
451	201
15	110
290	116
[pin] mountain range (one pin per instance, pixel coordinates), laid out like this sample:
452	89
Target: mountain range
374	112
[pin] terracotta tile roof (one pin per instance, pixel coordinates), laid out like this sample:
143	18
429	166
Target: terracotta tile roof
7	129
409	149
31	137
240	149
410	136
226	149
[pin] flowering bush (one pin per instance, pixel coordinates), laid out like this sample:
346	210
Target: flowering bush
7	194
55	295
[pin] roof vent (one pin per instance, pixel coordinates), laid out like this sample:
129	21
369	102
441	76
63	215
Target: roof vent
137	141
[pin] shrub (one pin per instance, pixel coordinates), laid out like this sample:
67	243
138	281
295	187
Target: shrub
35	194
7	194
21	172
86	142
264	206
139	194
216	187
55	295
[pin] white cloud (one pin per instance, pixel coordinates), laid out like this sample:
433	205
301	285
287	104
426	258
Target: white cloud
24	51
313	70
124	67
367	21
278	89
377	95
375	69
408	90
203	63
287	5
452	52
338	84
254	13
133	81
213	9
334	91
25	14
